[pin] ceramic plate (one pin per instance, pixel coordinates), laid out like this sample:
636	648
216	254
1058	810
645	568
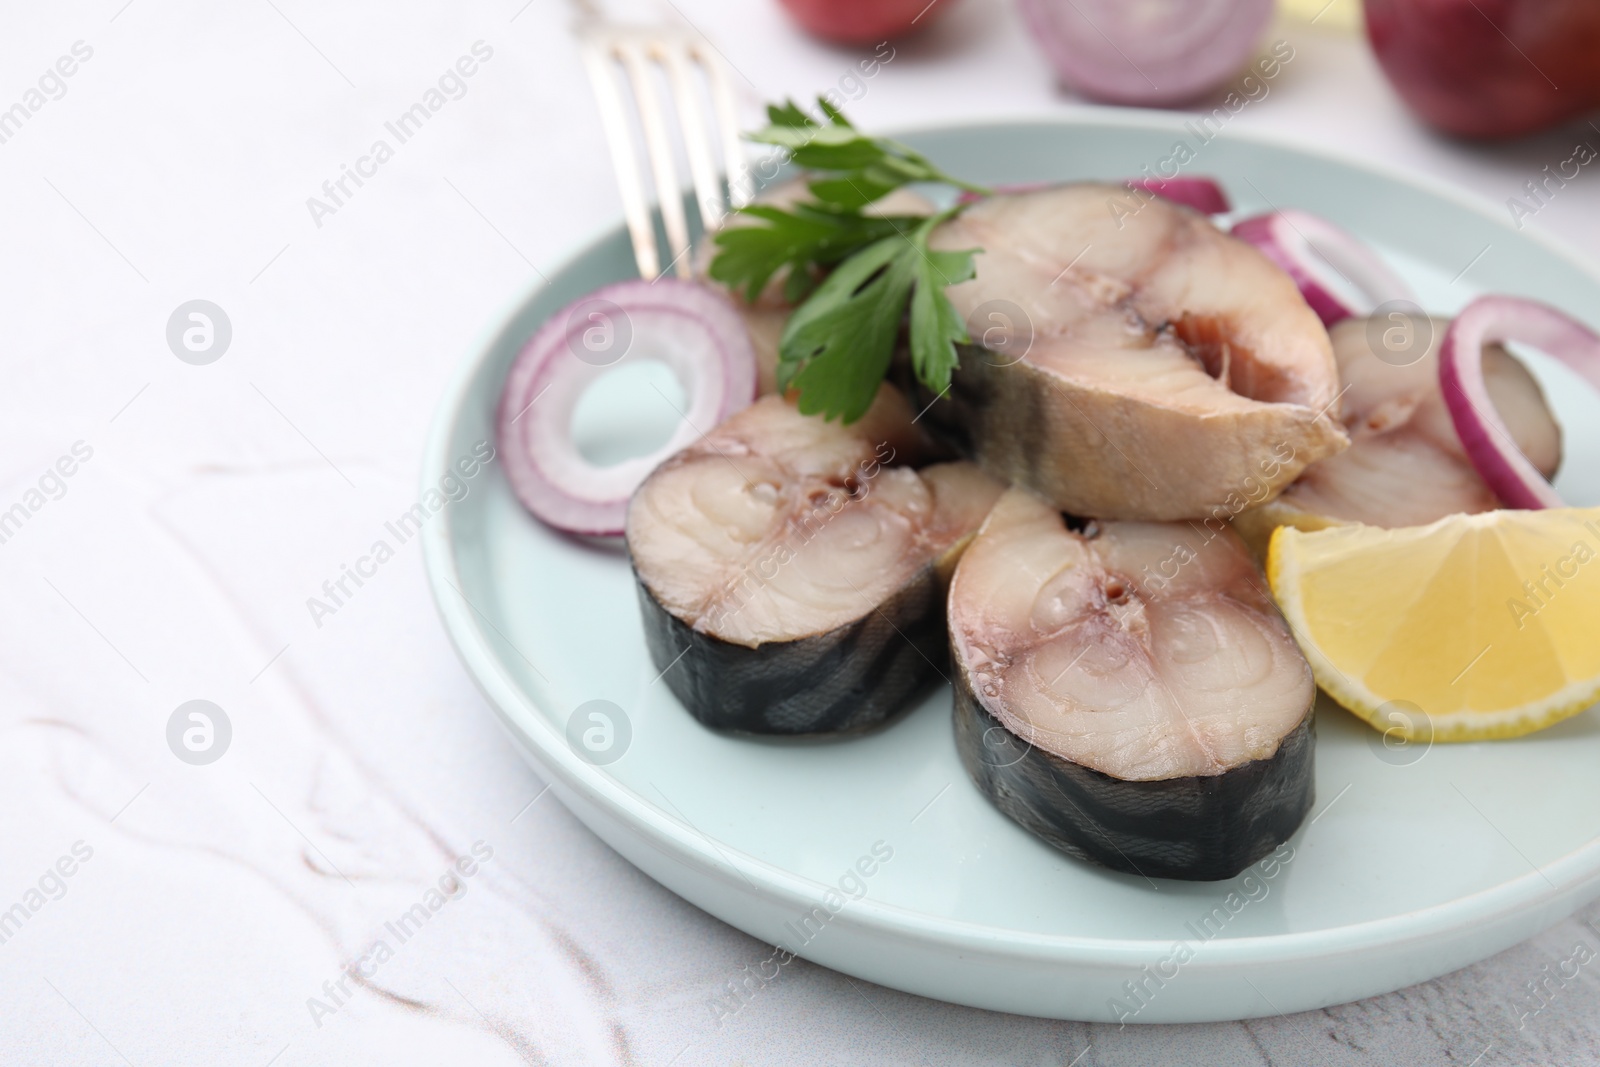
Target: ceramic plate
876	856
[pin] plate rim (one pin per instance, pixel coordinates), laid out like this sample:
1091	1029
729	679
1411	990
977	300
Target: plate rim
1563	878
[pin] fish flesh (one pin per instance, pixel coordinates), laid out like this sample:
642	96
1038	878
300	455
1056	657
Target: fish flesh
1405	465
1139	365
792	571
1128	692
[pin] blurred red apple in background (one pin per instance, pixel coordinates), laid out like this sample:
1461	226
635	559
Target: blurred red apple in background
1490	68
864	21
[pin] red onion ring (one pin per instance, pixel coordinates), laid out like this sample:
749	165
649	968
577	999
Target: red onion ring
692	328
967	196
1154	52
1202	194
1304	245
1483	432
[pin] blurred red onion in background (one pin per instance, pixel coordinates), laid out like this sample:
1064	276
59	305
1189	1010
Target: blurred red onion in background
1150	52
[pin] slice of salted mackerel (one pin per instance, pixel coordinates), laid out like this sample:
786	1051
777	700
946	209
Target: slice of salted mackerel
792	572
1405	465
1128	693
1143	366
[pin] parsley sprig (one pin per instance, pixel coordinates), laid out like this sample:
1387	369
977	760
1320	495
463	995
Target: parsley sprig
856	273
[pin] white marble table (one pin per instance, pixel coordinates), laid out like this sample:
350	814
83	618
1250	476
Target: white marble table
178	914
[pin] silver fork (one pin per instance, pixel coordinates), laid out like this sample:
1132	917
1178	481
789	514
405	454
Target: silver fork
619	56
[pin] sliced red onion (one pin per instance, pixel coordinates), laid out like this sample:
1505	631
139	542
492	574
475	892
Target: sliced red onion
1149	52
1305	246
1012	189
1483	433
693	329
1202	194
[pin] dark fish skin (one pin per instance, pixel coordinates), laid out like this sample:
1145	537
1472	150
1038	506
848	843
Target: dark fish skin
1006	416
850	679
961	417
1200	829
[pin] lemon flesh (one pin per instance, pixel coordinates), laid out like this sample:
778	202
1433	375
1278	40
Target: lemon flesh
1487	623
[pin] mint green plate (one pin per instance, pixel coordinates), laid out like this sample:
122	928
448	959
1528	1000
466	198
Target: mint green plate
1409	867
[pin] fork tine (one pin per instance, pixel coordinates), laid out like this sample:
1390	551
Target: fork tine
659	149
702	166
740	189
598	59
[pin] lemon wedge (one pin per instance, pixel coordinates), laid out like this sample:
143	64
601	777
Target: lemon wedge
1477	626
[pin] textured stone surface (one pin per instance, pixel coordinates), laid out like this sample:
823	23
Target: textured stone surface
176	566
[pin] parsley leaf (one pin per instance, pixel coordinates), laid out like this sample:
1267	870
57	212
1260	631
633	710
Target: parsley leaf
936	329
798	239
837	346
867	167
855	272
